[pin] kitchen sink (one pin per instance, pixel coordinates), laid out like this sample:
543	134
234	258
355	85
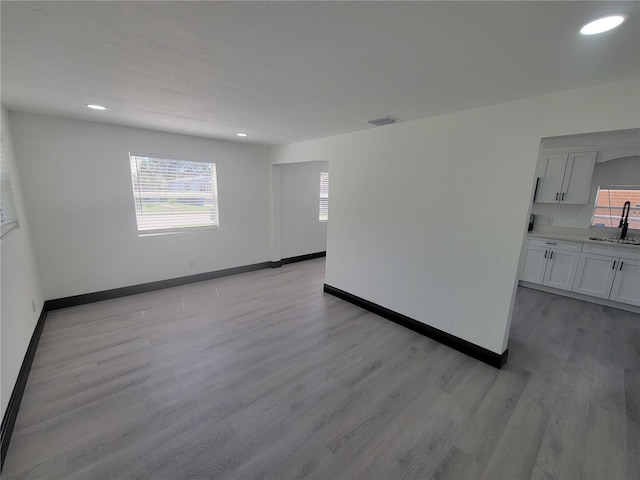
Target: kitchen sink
623	241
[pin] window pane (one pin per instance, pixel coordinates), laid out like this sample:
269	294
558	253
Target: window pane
8	215
324	196
173	194
609	203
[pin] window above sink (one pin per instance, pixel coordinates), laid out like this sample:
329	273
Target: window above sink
609	203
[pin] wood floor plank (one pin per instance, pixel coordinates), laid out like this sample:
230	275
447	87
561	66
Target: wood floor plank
457	465
540	474
313	463
262	375
607	390
631	345
484	429
604	450
515	455
563	441
401	439
632	403
467	389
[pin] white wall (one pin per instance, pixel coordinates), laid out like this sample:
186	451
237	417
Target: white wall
428	217
620	171
300	230
77	188
19	280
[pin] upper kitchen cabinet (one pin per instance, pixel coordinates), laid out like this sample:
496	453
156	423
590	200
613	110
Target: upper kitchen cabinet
565	177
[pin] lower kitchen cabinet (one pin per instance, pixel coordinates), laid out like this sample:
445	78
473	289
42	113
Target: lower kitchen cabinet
535	263
551	263
595	275
597	270
561	269
626	284
609	273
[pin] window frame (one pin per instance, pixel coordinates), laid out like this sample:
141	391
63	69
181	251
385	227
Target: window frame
168	230
613	218
324	195
8	211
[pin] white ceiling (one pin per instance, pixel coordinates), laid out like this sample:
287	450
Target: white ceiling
292	71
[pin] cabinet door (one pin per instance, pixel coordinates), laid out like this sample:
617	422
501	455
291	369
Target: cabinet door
576	184
595	275
535	261
626	284
551	176
561	269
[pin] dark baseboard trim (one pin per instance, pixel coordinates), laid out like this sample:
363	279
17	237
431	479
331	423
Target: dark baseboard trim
457	343
149	287
85	298
11	413
299	258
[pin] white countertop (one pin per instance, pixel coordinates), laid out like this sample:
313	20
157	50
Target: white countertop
582	235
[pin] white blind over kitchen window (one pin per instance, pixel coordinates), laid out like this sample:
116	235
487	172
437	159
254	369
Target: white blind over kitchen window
324	196
173	195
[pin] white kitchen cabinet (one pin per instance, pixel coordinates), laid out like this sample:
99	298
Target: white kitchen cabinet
584	269
595	275
551	175
609	272
551	263
565	177
626	284
535	262
561	269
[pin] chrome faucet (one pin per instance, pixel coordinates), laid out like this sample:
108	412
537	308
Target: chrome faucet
624	219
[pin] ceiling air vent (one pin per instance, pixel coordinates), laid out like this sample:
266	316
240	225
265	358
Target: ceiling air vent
386	120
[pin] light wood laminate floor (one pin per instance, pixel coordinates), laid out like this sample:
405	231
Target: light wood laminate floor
262	375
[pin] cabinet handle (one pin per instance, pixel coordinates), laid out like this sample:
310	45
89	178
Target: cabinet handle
562	198
557	195
550	243
551	255
545	253
614	265
621	263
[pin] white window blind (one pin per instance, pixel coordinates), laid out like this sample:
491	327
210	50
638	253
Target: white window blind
324	196
173	195
8	215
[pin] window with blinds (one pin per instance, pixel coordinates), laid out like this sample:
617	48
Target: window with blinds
609	202
324	196
173	195
8	215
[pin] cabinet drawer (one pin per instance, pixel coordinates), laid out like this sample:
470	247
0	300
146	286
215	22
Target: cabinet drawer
627	253
554	244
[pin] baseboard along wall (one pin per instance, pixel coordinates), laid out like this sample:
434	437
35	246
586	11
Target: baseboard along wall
10	415
457	343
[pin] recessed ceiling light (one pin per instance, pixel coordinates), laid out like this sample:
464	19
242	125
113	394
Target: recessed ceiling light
242	134
96	107
386	120
602	24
